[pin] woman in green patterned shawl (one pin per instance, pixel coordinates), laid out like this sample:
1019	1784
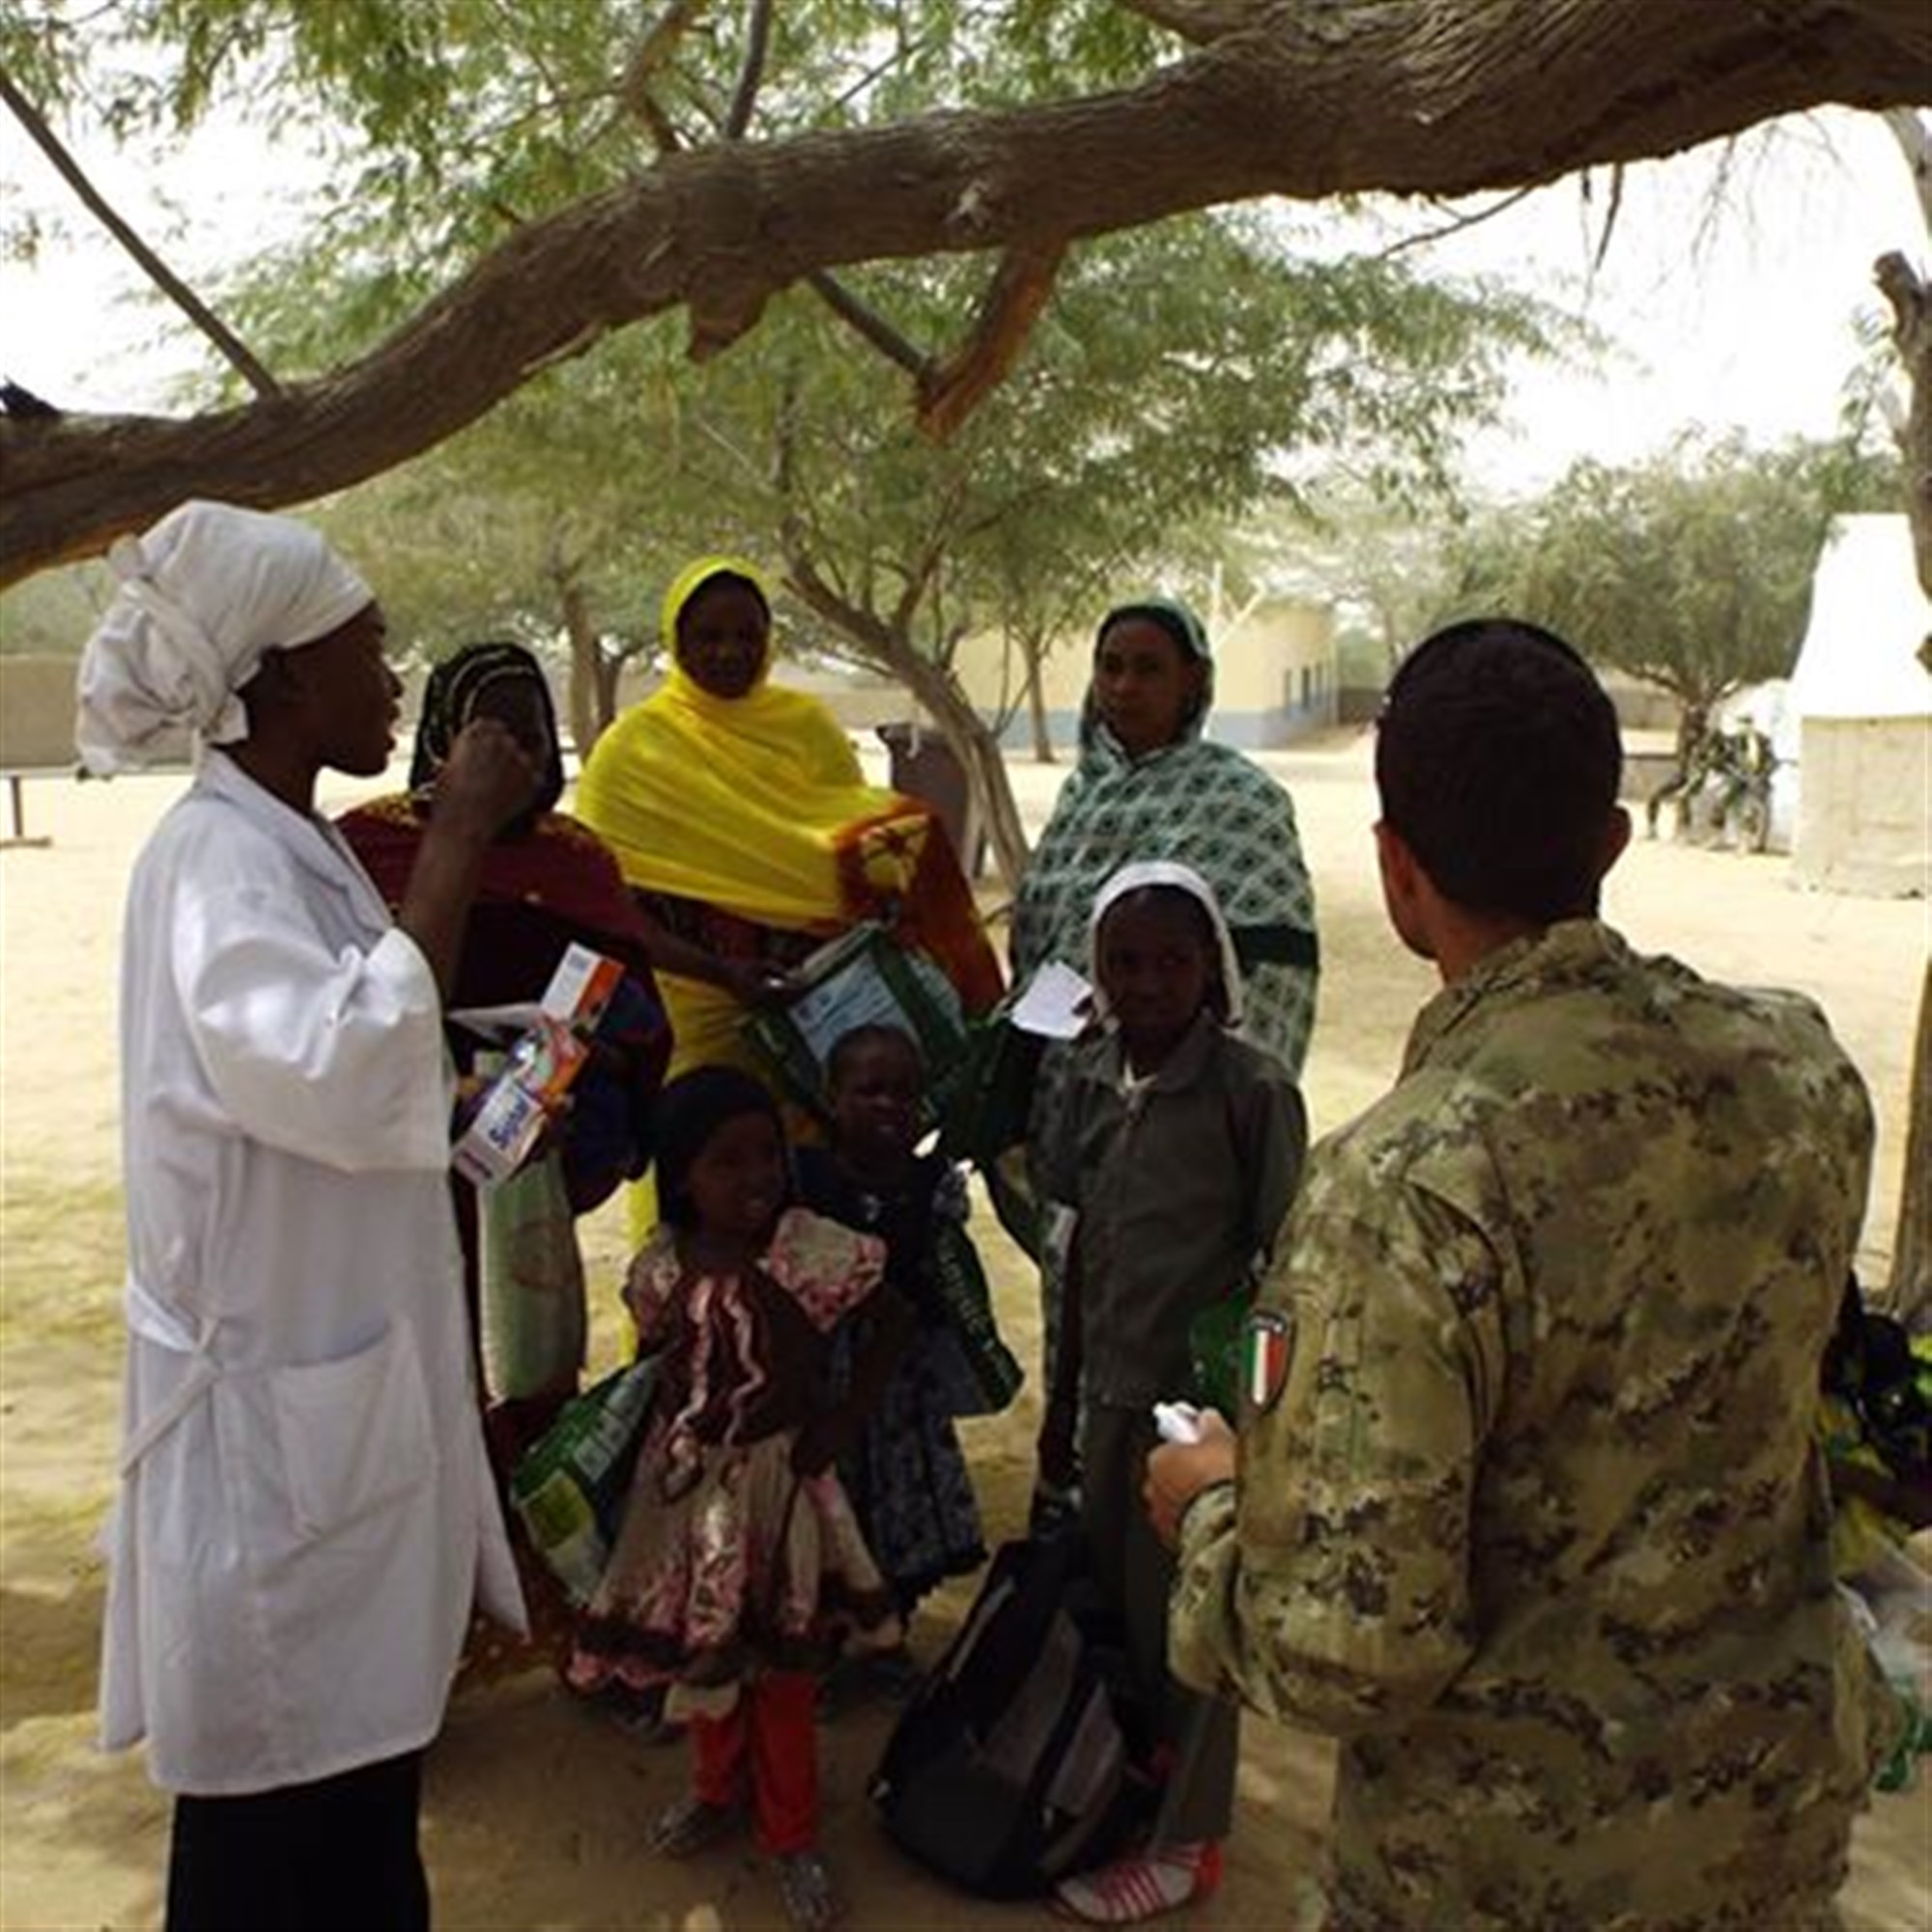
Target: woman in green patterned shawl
1150	786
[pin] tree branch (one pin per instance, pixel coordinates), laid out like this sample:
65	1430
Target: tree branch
654	49
1438	101
859	315
868	323
652	55
1611	214
951	391
745	95
1913	131
1423	237
231	349
807	583
1200	21
919	575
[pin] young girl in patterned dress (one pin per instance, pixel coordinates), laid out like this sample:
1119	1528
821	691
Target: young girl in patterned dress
740	1569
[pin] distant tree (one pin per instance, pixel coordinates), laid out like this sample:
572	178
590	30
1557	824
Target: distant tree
1388	566
1691	570
1184	365
53	614
546	521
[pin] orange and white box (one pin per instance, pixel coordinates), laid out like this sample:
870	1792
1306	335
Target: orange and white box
520	1102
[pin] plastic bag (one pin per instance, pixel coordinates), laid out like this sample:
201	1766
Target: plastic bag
532	1282
990	1099
570	1487
863	978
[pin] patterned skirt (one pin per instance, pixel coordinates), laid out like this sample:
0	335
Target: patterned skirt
747	1567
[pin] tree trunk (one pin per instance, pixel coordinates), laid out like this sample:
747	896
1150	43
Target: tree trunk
1909	1288
586	719
973	744
1909	296
1910	300
1036	693
610	668
1306	101
979	751
888	647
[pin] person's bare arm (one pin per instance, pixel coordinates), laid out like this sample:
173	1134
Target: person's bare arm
670	952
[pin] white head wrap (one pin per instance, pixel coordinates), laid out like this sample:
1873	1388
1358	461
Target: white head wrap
1137	878
201	597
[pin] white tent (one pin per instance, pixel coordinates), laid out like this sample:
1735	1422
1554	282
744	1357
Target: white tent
1864	701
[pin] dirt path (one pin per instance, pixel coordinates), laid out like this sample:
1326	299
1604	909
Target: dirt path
536	1808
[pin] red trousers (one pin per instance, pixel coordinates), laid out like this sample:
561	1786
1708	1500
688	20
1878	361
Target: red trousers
766	1749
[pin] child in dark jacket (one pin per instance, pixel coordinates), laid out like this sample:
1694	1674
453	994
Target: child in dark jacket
1179	1154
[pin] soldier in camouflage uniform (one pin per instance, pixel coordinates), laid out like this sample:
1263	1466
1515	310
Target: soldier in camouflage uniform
1526	1507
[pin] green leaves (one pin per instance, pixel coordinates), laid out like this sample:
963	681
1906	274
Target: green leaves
1693	570
1181	375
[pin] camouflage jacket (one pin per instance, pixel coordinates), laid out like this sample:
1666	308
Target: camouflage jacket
1534	1520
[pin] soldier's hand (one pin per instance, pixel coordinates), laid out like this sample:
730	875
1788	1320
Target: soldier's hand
487	780
1177	1472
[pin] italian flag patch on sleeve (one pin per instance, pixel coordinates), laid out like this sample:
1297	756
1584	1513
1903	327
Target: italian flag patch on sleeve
1266	1349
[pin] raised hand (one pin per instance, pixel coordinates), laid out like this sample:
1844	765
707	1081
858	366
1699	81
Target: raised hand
487	780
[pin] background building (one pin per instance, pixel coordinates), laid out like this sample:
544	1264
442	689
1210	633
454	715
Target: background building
1275	678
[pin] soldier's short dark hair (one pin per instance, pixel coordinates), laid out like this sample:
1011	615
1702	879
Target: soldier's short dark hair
1498	762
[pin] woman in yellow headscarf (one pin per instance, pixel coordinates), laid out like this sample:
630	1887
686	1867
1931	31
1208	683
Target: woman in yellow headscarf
739	816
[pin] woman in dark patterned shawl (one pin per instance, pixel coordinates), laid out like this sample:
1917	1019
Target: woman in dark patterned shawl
547	881
1148	785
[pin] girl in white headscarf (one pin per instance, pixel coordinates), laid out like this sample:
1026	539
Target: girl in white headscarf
1175	1162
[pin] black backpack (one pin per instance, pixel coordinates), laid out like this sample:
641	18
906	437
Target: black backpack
1011	1767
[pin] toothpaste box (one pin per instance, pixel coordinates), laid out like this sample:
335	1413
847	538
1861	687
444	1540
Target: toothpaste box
498	1132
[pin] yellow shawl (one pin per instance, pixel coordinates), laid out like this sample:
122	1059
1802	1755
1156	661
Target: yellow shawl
755	805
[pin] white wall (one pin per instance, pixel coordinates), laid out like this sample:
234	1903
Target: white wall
1865	807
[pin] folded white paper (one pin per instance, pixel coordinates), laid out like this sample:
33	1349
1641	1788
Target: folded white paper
1056	1005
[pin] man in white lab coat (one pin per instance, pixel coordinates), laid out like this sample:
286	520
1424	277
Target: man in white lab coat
306	1516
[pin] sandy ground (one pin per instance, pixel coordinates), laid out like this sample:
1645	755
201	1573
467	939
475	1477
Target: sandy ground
535	1808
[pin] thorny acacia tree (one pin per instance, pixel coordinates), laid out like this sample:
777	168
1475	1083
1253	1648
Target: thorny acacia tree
1181	363
1086	122
1690	569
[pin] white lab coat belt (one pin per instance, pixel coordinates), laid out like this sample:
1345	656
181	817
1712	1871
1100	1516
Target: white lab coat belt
150	1320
